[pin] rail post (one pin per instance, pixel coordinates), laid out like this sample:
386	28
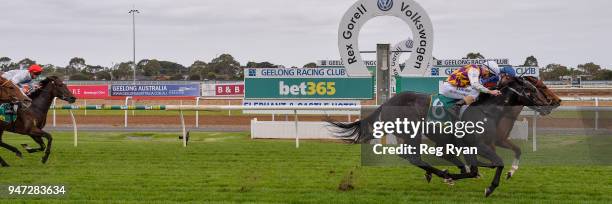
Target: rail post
85	104
596	114
229	112
74	126
184	129
297	136
533	129
125	119
197	113
54	100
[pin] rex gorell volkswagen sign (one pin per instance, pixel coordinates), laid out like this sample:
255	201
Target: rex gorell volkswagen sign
407	10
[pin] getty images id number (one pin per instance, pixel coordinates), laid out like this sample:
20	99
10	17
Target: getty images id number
35	190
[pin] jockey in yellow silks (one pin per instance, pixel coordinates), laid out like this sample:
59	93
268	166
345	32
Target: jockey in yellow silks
465	83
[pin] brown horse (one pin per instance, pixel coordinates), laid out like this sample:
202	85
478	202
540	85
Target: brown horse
9	93
31	121
505	124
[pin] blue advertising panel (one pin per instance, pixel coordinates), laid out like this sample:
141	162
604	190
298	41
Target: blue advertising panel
156	90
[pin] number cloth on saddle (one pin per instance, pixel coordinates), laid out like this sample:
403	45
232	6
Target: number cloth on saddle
438	108
7	113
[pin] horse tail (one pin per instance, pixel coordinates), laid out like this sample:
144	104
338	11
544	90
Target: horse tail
356	132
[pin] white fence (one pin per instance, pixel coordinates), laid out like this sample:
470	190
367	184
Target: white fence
305	128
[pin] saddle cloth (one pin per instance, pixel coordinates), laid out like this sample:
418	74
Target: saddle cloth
438	108
8	113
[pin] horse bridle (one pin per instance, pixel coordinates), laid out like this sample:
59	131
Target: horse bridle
524	95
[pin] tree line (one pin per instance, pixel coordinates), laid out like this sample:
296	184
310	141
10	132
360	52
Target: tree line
225	67
555	72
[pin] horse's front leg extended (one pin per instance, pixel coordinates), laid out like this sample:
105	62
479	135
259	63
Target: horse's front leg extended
517	155
37	135
48	149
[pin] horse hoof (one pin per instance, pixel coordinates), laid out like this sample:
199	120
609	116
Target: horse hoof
488	192
428	177
44	159
509	176
19	155
449	181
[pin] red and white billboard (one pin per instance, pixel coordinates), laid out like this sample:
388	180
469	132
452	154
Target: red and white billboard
229	90
89	91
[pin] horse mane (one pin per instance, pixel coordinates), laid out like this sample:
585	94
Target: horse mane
43	84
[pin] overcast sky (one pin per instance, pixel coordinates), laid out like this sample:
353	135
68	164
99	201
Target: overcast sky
295	32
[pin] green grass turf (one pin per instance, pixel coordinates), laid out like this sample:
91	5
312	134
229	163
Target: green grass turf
229	167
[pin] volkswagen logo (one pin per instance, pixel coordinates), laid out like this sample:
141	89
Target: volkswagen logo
409	43
385	5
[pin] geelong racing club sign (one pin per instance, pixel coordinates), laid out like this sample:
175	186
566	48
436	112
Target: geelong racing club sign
407	10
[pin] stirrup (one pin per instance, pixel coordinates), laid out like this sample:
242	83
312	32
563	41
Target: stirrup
455	110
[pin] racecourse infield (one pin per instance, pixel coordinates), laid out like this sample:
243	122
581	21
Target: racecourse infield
230	167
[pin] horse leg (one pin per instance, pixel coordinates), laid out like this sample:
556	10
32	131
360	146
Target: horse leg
3	163
471	170
415	159
38	139
487	152
39	134
10	147
48	150
517	155
457	162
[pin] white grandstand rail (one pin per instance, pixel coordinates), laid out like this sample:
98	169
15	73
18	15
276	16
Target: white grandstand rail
223	108
182	108
586	98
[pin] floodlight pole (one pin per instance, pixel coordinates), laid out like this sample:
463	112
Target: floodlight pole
134	12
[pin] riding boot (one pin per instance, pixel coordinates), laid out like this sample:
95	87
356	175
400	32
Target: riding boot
455	110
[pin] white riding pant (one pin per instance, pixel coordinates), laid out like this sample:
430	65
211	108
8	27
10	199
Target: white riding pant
451	91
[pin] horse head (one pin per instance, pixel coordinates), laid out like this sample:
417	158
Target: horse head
554	100
57	88
526	94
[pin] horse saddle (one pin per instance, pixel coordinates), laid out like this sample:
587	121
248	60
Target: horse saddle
8	112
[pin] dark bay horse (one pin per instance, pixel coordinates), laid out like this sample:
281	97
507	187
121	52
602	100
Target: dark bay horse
511	113
31	121
9	93
414	107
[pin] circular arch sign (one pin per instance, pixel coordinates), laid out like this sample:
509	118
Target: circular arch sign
363	10
399	48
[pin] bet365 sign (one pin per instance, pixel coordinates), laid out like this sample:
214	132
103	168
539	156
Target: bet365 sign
306	83
309	88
